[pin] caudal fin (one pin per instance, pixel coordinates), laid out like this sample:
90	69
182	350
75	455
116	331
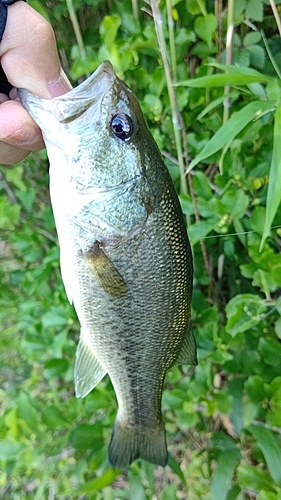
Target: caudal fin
127	445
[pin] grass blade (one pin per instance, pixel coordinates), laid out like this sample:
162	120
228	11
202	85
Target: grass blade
234	76
274	186
223	474
231	128
270	449
176	469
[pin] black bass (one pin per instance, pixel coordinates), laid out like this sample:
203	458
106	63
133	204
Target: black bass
126	261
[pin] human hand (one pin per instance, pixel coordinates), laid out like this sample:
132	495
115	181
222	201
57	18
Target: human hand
30	60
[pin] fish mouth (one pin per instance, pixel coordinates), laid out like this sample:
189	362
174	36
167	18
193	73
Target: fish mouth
73	104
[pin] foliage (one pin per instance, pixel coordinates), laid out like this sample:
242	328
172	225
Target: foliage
223	420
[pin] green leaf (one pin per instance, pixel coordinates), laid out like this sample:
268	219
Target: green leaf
9	214
87	436
53	418
194	7
233	76
205	26
270	350
222	476
266	495
26	198
243	312
176	469
271	451
230	129
52	319
56	367
254	10
215	103
251	38
274	186
200	229
257	56
273	416
254	478
236	202
15	176
100	482
9	450
278	328
108	30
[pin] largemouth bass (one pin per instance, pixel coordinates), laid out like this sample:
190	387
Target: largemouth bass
126	261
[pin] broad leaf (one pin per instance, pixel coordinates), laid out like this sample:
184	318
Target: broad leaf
274	185
231	129
223	474
271	451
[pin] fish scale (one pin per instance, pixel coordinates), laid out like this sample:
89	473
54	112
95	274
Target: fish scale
125	256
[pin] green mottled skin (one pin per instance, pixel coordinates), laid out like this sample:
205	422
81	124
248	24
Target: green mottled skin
138	337
138	224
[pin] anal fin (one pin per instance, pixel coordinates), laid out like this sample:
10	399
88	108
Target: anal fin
88	371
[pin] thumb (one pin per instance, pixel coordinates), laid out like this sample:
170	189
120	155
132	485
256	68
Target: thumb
29	55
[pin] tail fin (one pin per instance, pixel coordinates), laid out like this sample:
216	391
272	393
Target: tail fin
128	444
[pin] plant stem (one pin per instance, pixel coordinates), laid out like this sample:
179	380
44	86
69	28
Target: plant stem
193	197
202	8
228	57
158	21
276	15
219	16
172	38
76	28
135	9
270	55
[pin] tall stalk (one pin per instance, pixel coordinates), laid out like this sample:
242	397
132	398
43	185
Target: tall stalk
158	21
135	9
76	28
228	57
172	38
276	15
178	123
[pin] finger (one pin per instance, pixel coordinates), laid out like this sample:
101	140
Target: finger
3	98
29	55
18	129
9	155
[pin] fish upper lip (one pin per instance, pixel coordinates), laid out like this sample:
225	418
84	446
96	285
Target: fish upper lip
87	92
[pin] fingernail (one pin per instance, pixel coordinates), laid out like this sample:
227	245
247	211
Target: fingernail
59	86
13	94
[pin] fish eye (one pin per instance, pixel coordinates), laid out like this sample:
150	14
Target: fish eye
122	126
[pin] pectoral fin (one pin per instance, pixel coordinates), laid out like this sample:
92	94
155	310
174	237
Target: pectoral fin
88	371
105	271
187	354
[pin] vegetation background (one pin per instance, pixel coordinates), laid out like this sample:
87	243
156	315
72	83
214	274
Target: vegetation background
208	79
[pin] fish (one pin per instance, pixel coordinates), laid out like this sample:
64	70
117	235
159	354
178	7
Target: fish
125	256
